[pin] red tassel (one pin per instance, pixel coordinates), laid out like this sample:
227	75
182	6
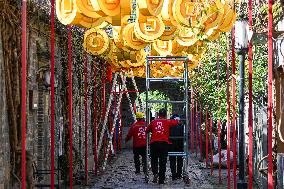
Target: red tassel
109	74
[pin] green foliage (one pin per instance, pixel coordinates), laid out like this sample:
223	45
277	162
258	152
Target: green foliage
156	95
212	92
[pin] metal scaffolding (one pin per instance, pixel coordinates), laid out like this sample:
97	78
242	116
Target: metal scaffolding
152	60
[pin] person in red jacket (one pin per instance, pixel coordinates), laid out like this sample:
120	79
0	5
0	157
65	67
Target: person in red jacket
160	129
137	131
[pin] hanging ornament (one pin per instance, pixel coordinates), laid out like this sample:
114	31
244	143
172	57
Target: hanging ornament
109	74
130	39
149	28
161	48
108	7
150	7
66	11
96	41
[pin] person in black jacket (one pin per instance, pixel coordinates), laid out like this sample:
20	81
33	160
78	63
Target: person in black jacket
176	139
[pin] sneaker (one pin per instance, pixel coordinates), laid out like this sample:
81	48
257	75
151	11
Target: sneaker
155	179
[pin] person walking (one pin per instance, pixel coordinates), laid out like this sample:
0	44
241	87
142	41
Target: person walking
137	131
160	129
176	140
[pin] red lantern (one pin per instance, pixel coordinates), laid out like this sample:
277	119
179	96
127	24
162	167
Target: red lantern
109	74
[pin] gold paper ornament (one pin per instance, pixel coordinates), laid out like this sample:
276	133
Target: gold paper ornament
85	7
130	39
149	28
96	41
66	11
108	7
187	12
150	7
187	36
161	48
169	32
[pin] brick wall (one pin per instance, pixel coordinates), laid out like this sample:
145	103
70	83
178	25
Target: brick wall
4	132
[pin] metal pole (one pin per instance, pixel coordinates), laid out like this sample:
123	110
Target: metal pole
192	120
200	134
250	116
270	100
234	111
206	135
211	145
196	126
241	183
219	149
228	116
186	116
147	118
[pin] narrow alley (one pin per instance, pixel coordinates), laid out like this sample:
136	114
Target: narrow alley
120	175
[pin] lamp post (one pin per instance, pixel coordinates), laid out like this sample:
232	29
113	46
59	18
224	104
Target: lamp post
241	46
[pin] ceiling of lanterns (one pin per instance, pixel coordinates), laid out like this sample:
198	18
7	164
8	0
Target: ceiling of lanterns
159	28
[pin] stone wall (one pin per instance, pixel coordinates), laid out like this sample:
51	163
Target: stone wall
4	129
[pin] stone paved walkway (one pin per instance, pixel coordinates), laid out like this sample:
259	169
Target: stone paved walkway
120	175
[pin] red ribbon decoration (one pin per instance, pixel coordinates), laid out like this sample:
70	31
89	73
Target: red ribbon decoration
196	127
270	100
70	104
52	97
228	118
211	146
219	149
206	133
24	91
95	123
86	115
234	112
192	122
250	117
200	137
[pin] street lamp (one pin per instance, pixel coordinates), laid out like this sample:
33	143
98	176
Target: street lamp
241	46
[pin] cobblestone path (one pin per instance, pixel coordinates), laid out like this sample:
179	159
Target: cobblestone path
120	175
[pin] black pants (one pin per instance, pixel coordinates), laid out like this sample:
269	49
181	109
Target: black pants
159	154
176	162
141	151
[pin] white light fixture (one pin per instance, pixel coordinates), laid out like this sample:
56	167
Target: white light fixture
241	34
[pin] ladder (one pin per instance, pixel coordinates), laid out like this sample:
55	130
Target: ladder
185	153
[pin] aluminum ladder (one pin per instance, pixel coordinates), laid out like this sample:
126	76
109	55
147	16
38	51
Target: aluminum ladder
152	60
